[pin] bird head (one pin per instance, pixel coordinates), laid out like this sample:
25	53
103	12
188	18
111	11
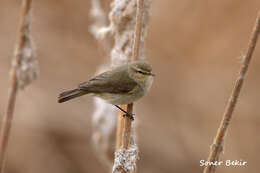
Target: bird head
140	71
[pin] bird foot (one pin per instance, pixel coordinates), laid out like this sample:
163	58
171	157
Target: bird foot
131	116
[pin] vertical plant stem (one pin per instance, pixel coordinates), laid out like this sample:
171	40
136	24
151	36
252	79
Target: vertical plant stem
8	116
217	146
120	127
124	123
138	29
127	128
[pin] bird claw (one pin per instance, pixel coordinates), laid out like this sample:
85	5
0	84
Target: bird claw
131	116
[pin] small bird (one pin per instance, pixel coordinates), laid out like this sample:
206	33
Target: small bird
121	85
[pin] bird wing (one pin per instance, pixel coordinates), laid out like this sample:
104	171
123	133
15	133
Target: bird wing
116	82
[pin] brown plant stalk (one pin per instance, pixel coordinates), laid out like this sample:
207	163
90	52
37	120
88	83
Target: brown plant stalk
124	128
217	145
120	127
136	46
8	116
124	122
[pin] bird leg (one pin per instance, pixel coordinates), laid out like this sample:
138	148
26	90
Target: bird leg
131	116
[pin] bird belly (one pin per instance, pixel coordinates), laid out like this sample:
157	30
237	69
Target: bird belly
120	99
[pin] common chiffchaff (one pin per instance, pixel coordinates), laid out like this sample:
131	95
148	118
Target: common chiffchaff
121	85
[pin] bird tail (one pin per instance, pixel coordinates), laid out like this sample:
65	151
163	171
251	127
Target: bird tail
70	94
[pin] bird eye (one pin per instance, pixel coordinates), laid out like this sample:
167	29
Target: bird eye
140	72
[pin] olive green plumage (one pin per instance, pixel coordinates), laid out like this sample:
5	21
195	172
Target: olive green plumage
121	85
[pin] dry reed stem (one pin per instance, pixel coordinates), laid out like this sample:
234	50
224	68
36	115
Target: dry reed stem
7	118
125	123
138	30
120	127
217	145
127	127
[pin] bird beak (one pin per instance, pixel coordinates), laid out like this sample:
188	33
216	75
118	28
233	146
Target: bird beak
152	74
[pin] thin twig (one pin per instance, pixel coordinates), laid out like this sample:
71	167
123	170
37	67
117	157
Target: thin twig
7	118
217	145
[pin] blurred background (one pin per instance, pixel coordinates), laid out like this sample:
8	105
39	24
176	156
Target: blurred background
195	48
